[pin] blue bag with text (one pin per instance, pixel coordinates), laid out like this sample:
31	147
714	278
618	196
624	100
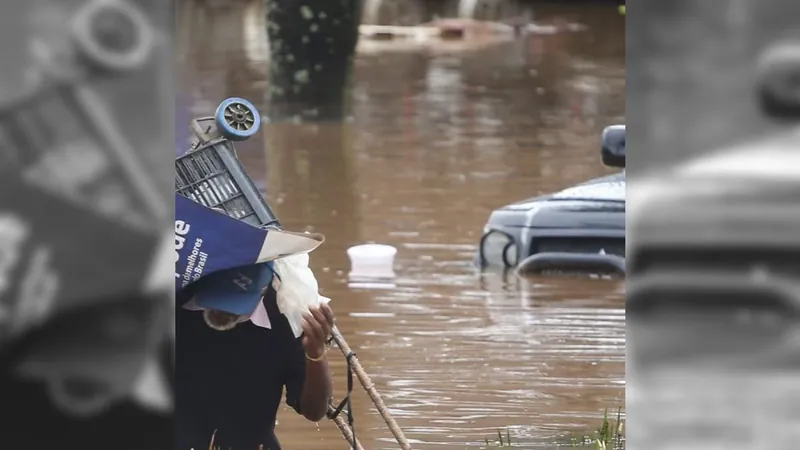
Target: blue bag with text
226	261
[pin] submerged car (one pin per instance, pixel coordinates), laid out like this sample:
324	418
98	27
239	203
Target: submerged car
580	229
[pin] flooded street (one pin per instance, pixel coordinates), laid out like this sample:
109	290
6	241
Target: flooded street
436	141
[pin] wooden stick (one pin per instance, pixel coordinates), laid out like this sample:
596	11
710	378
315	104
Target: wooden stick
369	386
347	432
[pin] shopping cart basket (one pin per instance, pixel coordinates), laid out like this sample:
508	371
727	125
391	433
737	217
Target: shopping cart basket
211	174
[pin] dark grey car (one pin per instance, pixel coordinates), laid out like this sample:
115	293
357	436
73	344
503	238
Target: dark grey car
579	229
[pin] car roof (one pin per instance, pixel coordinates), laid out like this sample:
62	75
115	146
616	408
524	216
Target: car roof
773	158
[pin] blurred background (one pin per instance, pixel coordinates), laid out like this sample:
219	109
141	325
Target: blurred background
712	293
86	111
693	74
437	135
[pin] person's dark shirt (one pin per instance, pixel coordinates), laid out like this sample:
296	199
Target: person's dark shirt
233	381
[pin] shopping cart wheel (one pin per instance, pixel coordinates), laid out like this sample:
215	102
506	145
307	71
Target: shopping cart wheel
237	119
113	35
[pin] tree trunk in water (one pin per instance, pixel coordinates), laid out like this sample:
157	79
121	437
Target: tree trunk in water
312	44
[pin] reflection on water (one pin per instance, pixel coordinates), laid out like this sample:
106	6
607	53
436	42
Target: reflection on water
436	141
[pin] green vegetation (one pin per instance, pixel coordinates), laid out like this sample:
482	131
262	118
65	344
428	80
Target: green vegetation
500	442
608	436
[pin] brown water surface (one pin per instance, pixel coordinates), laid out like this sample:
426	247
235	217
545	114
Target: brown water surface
436	141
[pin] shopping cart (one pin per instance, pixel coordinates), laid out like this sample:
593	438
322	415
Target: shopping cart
211	174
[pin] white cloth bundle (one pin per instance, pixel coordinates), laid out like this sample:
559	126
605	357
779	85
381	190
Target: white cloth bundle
297	289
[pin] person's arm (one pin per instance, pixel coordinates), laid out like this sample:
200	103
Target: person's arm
318	386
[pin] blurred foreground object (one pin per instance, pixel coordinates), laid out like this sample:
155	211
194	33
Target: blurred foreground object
727	219
713	294
68	135
779	79
713	298
84	314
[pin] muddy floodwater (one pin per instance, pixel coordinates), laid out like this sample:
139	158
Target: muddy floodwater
438	138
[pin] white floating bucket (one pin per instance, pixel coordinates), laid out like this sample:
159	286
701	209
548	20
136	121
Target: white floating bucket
371	263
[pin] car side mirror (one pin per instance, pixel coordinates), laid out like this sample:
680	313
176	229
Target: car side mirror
778	82
613	146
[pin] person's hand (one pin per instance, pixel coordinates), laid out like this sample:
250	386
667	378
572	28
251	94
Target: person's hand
317	326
